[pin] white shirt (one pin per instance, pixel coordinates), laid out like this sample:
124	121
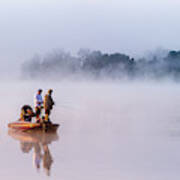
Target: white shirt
38	101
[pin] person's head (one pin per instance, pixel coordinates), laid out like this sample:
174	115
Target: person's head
39	91
50	91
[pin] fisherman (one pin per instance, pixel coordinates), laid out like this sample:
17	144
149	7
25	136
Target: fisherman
38	101
48	104
26	113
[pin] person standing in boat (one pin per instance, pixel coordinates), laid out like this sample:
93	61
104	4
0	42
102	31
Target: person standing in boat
48	104
38	104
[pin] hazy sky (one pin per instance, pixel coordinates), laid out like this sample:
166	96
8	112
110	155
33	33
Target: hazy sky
128	26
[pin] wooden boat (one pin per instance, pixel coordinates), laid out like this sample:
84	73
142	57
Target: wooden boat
25	126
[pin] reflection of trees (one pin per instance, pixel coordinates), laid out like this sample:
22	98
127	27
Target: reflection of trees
38	142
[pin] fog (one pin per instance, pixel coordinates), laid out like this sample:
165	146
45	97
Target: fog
129	27
114	67
160	65
107	131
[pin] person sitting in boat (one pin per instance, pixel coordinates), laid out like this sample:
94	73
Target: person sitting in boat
48	104
38	101
26	113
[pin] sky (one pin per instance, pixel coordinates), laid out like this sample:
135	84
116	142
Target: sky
29	27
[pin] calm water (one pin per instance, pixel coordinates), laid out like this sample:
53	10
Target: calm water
108	131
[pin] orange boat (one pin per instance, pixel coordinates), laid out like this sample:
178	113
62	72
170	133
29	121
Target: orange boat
32	126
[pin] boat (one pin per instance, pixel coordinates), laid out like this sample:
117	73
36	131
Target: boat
28	126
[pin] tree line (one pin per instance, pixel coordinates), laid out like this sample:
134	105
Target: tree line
96	65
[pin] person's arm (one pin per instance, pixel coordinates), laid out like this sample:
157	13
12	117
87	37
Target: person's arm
36	100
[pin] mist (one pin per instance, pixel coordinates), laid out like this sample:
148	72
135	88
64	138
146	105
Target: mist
116	93
128	27
88	64
107	131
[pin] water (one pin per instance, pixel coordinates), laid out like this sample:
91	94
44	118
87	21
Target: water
108	131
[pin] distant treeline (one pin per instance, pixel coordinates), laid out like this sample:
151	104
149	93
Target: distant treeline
96	65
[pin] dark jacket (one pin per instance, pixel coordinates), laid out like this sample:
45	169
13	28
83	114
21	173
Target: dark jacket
48	102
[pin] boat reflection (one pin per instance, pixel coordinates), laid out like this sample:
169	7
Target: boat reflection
38	142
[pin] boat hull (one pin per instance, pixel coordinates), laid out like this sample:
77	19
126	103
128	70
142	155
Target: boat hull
28	126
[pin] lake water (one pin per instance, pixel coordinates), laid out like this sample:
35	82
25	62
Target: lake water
108	131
